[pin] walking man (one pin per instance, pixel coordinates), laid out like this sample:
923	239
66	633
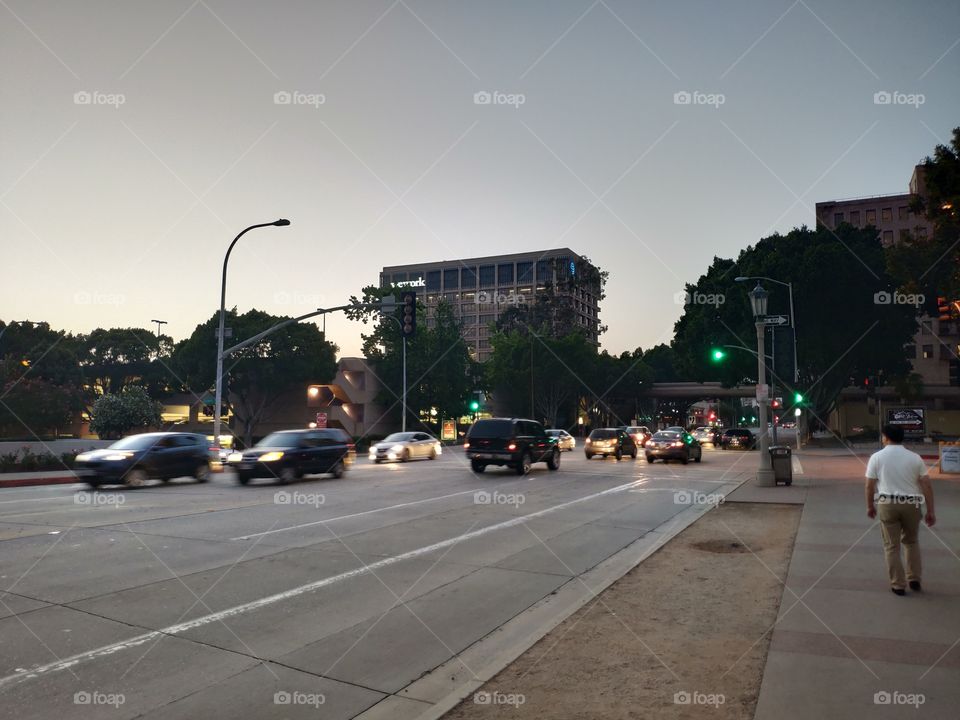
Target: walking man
896	488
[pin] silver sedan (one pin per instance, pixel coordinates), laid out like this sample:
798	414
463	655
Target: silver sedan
565	441
405	446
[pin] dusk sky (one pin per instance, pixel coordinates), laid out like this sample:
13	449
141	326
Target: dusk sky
138	138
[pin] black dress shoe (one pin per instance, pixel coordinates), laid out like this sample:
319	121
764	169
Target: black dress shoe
915	585
898	591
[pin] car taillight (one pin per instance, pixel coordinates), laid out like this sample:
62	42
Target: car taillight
512	446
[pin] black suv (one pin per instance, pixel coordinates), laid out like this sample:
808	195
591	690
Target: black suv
289	454
138	458
513	442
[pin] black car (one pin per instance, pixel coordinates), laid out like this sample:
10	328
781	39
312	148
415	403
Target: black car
138	458
671	445
738	439
514	442
610	441
288	455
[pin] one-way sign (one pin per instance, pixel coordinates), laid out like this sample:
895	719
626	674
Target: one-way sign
774	320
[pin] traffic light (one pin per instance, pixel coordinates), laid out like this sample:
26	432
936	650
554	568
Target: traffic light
717	355
408	313
797	398
775	403
474	406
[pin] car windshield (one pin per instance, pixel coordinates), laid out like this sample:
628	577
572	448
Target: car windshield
284	439
553	433
603	434
491	429
400	437
137	442
667	435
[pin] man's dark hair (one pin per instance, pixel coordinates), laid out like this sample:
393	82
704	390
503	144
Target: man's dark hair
893	433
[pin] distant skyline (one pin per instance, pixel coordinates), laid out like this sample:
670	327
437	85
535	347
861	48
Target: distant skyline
138	139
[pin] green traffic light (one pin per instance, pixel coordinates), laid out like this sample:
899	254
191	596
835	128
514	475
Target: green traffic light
474	405
797	397
717	354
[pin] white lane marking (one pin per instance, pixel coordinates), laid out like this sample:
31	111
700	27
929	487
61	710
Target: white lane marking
61	497
106	650
359	514
797	467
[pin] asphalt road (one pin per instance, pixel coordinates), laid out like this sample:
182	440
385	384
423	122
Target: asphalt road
316	599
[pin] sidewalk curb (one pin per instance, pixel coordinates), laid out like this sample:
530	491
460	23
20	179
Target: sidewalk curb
50	480
448	684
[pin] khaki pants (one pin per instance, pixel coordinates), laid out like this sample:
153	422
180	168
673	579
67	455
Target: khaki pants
899	524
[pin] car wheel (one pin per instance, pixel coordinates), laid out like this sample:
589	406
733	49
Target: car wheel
338	469
588	456
406	456
202	473
377	461
92	485
618	455
633	455
699	456
287	475
650	459
137	477
243	479
523	467
433	454
685	459
477	466
554	461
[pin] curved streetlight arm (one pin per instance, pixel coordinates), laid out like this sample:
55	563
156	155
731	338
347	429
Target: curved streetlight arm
793	318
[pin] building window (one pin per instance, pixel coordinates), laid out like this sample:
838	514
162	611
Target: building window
902	212
837	219
927	352
468	277
487	319
433	280
888	237
525	272
544	271
922	232
399	277
904	235
451	299
505	274
855	218
886	215
451	279
487	276
871	217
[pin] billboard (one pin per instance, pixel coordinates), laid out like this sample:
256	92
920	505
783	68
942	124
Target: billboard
911	419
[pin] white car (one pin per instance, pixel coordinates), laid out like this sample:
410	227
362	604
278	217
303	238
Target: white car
565	441
405	446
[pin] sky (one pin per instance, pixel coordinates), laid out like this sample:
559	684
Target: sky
138	138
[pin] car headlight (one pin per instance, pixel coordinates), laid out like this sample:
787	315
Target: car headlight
270	456
439	449
397	448
391	455
119	456
83	457
235	457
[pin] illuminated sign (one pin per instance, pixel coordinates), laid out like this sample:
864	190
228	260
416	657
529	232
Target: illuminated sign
419	282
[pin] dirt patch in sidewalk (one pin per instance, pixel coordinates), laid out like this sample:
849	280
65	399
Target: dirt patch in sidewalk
691	623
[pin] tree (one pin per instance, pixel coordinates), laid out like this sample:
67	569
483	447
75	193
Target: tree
561	371
440	371
256	377
116	414
844	329
119	357
931	265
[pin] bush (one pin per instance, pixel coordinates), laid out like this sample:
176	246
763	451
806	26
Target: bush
116	414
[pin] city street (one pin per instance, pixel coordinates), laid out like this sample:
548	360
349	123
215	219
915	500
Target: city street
189	600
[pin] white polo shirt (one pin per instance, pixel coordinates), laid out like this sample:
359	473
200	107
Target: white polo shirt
896	471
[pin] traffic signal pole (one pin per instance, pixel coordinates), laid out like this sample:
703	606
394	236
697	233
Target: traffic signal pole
403	397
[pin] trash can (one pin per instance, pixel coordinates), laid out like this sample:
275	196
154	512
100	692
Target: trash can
780	458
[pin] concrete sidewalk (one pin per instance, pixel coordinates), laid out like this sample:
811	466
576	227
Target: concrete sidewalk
44	477
844	646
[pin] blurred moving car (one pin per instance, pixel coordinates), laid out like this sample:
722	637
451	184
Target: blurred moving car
738	438
565	441
136	459
707	434
670	445
288	455
639	433
676	428
404	446
514	442
610	441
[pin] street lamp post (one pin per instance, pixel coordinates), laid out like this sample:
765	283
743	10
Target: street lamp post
758	303
159	323
223	298
793	320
